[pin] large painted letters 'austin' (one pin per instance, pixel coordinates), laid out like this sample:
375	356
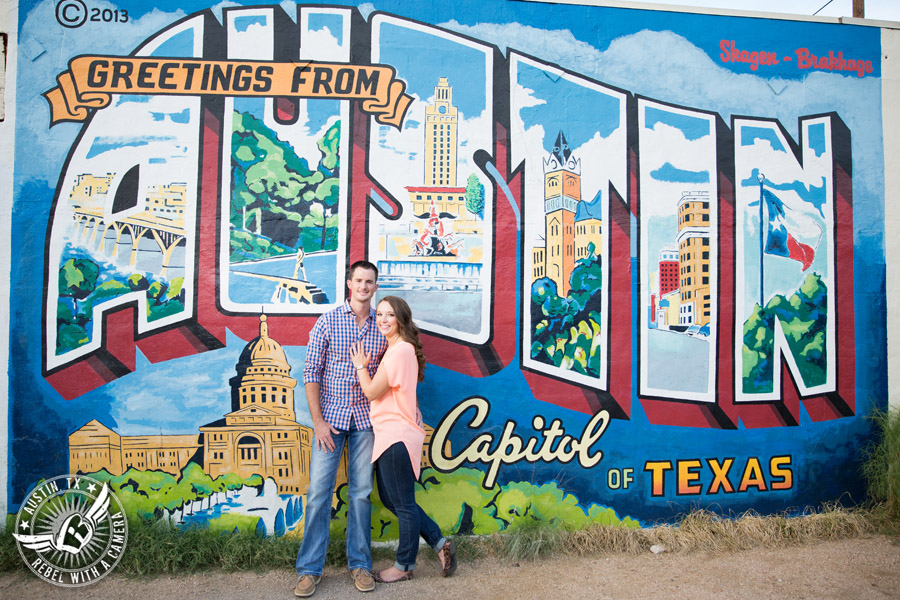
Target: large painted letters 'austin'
521	227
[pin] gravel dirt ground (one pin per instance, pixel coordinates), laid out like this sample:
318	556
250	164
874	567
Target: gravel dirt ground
847	569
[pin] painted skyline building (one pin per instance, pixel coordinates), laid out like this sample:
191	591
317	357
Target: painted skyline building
669	278
156	227
89	191
569	230
694	258
439	194
441	122
168	201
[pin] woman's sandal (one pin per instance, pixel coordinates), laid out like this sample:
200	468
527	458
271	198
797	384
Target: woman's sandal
448	564
406	577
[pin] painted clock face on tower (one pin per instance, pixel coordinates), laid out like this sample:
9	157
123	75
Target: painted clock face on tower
442	109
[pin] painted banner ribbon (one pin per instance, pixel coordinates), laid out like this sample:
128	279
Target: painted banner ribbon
91	80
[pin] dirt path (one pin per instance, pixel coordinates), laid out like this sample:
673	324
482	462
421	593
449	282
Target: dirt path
847	569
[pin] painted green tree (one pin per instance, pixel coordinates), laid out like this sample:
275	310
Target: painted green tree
566	330
803	318
84	280
278	202
77	280
475	195
145	494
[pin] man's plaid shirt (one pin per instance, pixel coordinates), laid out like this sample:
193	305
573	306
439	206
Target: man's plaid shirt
328	364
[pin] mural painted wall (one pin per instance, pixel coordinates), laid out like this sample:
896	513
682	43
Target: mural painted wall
645	249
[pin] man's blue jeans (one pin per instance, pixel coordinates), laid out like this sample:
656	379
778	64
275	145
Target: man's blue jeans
397	489
323	468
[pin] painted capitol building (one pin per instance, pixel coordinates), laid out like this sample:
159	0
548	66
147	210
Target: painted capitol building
260	436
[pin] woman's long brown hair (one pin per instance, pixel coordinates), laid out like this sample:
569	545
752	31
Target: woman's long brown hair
407	328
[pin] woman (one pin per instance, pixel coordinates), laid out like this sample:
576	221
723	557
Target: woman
399	436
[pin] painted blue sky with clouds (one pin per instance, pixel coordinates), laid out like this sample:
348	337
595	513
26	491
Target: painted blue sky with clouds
692	127
334	24
415	55
579	112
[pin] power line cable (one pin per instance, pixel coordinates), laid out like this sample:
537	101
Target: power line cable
826	4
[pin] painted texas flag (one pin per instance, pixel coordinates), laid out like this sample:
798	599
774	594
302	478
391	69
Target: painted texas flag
792	233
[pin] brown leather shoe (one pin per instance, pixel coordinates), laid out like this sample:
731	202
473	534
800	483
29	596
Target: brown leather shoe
448	555
363	580
307	585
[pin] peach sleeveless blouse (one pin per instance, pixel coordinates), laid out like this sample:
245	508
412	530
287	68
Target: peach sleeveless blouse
393	415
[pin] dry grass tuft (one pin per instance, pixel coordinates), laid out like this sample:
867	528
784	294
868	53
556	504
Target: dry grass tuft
704	531
607	539
531	539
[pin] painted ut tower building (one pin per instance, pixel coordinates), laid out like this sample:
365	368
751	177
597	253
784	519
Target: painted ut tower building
440	138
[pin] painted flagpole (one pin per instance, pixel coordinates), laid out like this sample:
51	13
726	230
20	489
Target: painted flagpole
761	179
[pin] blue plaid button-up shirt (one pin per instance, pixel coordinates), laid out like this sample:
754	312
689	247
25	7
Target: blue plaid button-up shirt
328	364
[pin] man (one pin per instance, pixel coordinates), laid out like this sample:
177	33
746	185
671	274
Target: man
340	413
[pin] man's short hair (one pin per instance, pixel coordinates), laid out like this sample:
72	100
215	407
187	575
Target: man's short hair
361	264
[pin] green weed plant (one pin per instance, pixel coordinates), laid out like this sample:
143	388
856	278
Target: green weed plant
881	470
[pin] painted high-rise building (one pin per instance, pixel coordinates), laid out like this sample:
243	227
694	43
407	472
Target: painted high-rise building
441	121
439	197
668	271
562	193
694	258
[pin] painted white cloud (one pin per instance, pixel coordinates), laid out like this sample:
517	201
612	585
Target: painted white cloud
524	98
366	9
526	145
254	42
551	45
320	44
666	144
218	8
773	165
396	159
